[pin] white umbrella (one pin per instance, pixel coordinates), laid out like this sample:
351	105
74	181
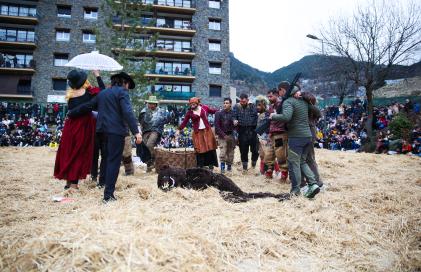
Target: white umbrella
94	61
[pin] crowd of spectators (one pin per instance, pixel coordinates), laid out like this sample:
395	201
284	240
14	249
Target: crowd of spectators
344	128
30	125
341	128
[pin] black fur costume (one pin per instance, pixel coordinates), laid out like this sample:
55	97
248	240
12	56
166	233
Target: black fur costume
200	179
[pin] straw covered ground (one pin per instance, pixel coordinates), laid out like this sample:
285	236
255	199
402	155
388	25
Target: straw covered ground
369	219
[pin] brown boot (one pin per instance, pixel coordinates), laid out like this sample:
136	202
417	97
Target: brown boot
128	166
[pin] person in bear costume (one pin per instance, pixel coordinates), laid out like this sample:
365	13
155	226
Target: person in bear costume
200	179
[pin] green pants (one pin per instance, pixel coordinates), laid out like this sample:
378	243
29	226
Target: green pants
298	151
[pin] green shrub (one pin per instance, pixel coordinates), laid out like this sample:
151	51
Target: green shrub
401	126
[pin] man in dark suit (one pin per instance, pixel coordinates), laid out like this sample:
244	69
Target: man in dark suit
115	117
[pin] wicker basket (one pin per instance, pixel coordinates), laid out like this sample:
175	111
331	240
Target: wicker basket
174	158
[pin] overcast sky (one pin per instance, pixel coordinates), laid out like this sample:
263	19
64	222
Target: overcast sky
270	34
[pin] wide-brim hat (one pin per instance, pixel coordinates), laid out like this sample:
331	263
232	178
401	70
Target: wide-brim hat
126	77
152	100
76	79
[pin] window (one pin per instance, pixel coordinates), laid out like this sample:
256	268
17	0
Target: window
3	34
11	35
63	35
214	45
215	68
214	24
90	13
61	59
64	11
89	37
216	4
13	11
23	11
215	91
4	10
59	84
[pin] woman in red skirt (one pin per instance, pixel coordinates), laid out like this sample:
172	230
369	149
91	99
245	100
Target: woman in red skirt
74	155
204	141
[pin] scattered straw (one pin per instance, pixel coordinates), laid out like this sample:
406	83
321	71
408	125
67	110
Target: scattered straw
369	219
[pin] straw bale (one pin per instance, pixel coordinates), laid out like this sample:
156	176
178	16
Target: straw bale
368	220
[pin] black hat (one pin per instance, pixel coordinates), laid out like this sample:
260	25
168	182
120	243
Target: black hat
76	79
126	77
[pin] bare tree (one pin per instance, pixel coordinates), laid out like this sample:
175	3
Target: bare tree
376	37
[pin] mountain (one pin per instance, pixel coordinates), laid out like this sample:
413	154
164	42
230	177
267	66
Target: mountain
317	69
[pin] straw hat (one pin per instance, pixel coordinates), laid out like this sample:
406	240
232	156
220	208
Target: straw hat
152	100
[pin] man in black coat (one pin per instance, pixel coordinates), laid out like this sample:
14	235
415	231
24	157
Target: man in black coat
115	117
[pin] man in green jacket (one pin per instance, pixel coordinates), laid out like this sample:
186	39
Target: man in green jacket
295	112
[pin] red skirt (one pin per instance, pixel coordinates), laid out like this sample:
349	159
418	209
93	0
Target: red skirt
75	152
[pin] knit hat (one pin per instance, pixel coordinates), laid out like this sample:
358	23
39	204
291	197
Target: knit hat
76	79
294	90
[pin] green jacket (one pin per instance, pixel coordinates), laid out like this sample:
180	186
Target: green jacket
295	112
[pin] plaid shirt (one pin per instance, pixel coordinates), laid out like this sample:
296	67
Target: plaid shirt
246	116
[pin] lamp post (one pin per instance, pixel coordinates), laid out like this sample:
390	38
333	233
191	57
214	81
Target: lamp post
310	36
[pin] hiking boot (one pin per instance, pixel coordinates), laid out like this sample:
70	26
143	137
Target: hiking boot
109	199
253	164
312	191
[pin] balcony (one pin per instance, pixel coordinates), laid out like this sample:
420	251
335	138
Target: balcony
31	19
175	95
170	6
151	26
161	53
18	43
185	76
12	66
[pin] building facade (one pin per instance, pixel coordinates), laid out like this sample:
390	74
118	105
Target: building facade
38	37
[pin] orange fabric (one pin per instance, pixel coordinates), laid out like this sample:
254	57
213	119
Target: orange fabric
204	140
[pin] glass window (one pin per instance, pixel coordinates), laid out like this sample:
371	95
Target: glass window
215	68
215	4
3	34
160	68
177	68
89	37
168	88
177	88
160	22
21	36
185	89
186	69
170	3
214	46
215	91
186	3
159	88
178	3
59	84
61	59
21	60
168	68
30	36
187	47
32	12
178	24
28	60
13	10
214	24
160	44
64	11
4	10
169	45
90	13
63	35
11	35
178	46
23	11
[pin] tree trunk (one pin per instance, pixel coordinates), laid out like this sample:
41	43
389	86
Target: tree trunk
341	98
370	146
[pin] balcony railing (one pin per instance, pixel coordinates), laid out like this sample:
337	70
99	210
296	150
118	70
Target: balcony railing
186	72
175	95
23	40
151	22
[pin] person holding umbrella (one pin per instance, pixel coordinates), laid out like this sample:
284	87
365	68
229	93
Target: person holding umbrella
75	152
115	118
